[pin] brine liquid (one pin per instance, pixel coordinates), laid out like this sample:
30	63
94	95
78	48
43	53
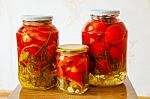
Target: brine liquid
107	80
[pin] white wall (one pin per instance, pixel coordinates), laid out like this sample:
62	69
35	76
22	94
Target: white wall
70	17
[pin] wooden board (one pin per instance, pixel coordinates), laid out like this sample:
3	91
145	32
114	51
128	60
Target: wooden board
123	91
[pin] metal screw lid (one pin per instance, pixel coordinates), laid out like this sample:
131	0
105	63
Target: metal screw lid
36	18
103	12
72	48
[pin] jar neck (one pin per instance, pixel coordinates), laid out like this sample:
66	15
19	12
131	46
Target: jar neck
37	23
106	18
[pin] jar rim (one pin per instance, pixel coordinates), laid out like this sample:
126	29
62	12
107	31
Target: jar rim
36	18
104	12
72	48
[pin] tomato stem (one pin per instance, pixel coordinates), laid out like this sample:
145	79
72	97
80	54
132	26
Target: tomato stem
43	44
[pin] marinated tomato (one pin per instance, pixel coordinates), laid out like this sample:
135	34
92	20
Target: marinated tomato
72	71
115	33
72	68
104	46
36	49
106	37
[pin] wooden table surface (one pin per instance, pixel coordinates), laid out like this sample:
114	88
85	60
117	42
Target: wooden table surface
123	91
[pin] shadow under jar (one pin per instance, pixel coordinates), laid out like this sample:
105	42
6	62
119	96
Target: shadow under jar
72	68
36	43
106	37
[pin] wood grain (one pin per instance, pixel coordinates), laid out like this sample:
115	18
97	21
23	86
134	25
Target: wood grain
143	97
123	91
4	93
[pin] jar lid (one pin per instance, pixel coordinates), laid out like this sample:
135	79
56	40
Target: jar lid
103	12
75	48
36	18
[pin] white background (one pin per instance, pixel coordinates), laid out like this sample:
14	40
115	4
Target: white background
70	17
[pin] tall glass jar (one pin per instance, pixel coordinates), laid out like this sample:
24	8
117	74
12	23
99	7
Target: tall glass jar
106	36
37	40
72	68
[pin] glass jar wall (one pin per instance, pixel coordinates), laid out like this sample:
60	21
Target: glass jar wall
72	68
106	37
37	40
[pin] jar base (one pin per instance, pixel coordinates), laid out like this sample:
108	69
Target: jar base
37	88
107	80
71	90
73	93
33	87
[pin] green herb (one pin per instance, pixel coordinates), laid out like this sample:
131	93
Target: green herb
24	56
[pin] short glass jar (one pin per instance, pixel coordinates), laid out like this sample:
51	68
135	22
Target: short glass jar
106	36
72	68
37	40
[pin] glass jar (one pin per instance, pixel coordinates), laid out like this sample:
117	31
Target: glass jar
72	68
106	37
37	40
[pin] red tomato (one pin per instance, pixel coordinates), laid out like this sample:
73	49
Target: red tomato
116	53
34	33
88	27
75	58
39	36
99	26
76	77
103	65
19	43
44	28
79	68
63	61
93	31
66	69
97	48
53	37
122	45
115	33
74	64
83	64
50	50
83	67
34	49
96	26
89	39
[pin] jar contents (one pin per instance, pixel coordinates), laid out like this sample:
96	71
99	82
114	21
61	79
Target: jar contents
106	37
72	68
36	42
